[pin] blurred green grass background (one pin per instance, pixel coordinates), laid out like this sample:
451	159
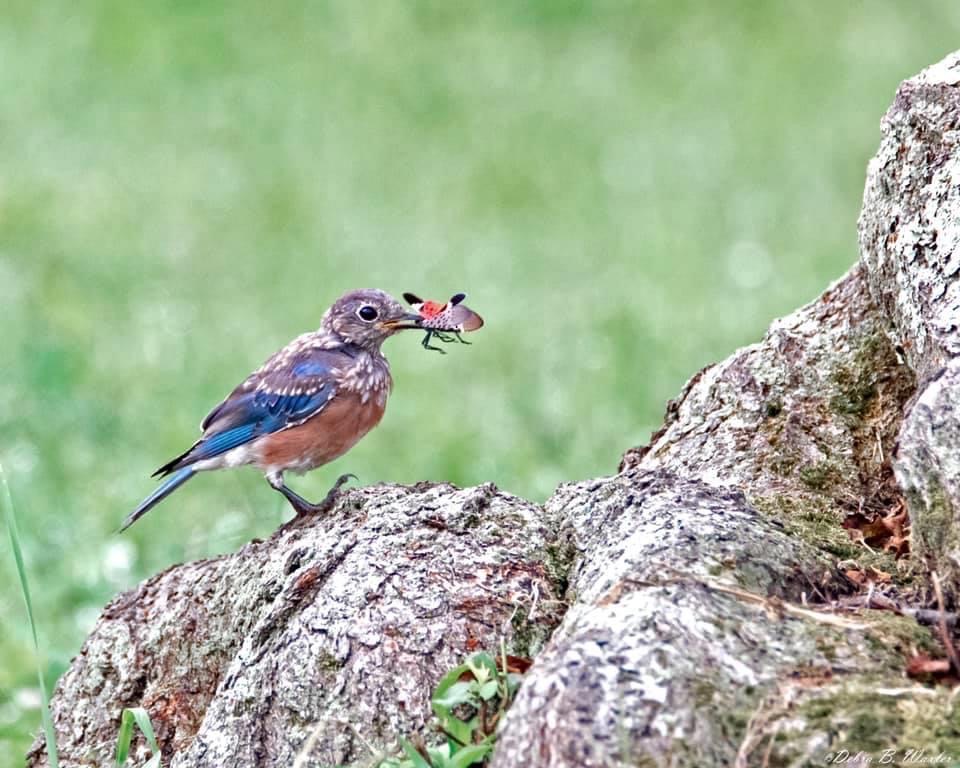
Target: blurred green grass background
627	191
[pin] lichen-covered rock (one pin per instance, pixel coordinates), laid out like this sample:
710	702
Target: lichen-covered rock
804	422
669	645
910	248
910	222
928	469
332	624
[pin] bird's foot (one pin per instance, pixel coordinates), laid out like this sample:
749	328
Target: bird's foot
334	493
303	507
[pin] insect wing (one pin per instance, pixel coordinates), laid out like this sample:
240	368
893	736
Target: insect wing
462	318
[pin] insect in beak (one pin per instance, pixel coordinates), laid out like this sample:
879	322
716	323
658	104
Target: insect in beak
444	322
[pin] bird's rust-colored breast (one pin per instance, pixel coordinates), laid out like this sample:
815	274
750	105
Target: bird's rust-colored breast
324	437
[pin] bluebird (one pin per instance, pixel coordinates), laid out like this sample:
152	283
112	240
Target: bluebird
305	406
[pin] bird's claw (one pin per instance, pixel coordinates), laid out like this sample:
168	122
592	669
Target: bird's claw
330	500
303	507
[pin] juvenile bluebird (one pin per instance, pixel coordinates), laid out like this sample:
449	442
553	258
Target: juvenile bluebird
305	406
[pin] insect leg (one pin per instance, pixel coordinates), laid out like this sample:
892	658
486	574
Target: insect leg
426	342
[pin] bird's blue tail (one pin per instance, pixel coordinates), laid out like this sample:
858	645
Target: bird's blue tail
165	488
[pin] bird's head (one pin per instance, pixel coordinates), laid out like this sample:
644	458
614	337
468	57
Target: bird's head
367	317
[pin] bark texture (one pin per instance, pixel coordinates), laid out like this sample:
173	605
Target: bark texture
675	609
910	223
910	245
928	469
676	633
335	629
805	421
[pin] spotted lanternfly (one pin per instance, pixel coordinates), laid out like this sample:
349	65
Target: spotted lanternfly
444	321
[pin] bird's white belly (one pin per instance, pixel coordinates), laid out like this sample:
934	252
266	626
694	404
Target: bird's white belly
235	457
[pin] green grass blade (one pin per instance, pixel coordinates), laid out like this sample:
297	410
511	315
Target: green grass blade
146	727
139	716
411	752
124	737
10	516
468	756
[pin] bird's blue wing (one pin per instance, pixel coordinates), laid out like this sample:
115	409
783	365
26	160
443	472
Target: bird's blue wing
286	391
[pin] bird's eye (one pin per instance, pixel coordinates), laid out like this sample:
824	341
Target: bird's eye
367	313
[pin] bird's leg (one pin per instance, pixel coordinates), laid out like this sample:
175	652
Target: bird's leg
300	505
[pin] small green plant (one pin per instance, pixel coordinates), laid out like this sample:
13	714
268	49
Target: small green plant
139	716
468	703
9	514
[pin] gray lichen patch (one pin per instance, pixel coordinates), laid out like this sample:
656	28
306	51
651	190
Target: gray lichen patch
909	226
